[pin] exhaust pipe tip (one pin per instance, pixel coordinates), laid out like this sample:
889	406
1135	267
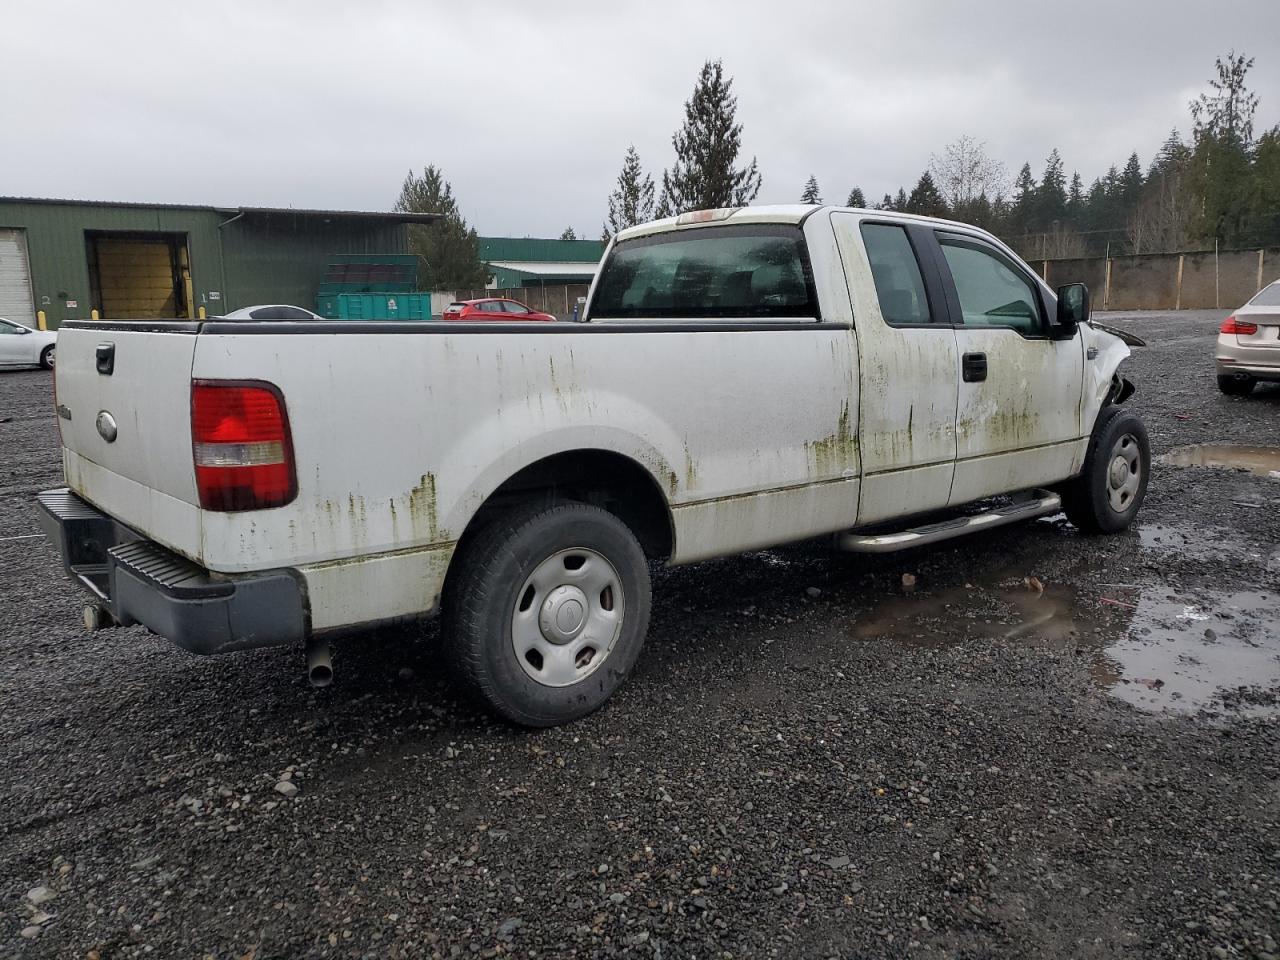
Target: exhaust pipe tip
319	665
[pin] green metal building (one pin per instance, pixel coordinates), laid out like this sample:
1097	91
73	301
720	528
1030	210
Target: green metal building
145	261
531	262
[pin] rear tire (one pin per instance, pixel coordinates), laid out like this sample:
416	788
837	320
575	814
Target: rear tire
1236	386
546	610
47	357
1106	496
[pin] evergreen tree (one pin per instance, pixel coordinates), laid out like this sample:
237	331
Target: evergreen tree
1022	215
1051	196
886	203
631	201
811	194
1076	201
1173	154
926	198
1131	181
448	250
1226	115
568	234
900	201
1221	177
856	199
705	174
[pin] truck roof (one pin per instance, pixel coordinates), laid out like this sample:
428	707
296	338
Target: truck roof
767	213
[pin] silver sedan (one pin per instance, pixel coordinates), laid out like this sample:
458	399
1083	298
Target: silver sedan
1248	349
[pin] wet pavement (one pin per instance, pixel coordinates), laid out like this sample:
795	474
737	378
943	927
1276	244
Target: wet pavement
1264	461
1028	743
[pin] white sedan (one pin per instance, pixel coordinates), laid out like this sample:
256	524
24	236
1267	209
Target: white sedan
23	347
272	311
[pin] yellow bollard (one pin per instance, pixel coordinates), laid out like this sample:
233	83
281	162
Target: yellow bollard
93	315
200	313
41	320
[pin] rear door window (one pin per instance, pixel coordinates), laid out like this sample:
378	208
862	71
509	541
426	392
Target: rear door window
737	271
512	307
896	271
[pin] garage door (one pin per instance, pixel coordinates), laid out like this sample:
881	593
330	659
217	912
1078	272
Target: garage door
15	278
136	280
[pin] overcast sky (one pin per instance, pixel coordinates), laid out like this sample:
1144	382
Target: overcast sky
529	106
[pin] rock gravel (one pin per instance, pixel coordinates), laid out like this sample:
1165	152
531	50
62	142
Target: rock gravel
813	759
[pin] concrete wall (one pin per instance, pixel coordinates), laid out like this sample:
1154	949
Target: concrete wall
1224	280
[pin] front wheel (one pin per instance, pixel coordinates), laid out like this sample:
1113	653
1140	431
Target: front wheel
47	357
1106	496
546	610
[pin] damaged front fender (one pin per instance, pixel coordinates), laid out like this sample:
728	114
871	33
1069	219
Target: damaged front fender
1104	352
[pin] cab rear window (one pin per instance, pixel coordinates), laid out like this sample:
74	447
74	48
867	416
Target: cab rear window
742	270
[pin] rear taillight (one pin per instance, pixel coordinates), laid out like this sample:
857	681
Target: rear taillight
1232	325
241	445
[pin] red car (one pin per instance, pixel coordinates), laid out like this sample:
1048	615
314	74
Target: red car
495	308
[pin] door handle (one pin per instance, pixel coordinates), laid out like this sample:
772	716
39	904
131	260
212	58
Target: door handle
105	357
973	367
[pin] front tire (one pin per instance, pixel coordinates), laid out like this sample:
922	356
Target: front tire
546	610
1236	386
1106	496
47	357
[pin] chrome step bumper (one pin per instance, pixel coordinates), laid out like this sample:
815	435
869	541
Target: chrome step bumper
1040	504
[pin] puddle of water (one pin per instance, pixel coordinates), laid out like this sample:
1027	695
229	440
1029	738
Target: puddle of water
1263	461
1185	653
1199	542
1156	651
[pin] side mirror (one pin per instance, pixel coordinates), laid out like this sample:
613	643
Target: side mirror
1073	308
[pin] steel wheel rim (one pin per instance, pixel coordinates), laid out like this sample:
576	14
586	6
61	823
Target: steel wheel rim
567	617
1124	473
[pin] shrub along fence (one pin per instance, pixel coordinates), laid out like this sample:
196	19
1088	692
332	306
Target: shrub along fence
1209	279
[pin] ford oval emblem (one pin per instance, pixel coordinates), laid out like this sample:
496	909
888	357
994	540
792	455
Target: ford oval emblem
106	424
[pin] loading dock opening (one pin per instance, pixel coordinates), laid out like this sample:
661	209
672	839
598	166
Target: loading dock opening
139	276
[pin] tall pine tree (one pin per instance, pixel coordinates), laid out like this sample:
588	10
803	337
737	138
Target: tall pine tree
811	194
1022	216
1051	196
926	199
856	199
631	201
448	250
705	174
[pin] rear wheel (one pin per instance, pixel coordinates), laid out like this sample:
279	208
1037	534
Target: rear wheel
1236	386
1106	496
546	611
47	357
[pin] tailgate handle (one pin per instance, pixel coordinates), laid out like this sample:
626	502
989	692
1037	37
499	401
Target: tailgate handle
974	367
106	357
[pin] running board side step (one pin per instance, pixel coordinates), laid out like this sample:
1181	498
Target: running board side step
1042	503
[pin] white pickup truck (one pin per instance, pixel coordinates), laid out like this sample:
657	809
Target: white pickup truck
744	378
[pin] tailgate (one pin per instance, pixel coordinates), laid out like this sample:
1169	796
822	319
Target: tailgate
124	409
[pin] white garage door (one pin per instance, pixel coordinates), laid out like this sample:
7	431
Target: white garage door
15	278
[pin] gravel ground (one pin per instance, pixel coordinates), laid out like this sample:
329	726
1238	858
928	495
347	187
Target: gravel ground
970	769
